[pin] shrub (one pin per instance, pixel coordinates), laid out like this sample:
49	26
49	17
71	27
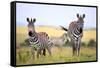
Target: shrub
83	44
91	43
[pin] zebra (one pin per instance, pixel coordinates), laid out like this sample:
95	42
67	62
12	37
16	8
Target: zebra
59	41
38	40
75	33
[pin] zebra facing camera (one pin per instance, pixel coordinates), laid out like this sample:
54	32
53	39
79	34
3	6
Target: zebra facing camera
52	33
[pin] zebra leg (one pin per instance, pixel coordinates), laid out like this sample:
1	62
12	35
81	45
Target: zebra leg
73	48
78	51
49	51
33	53
38	52
78	48
44	52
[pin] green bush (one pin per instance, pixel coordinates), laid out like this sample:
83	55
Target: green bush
69	44
91	43
83	44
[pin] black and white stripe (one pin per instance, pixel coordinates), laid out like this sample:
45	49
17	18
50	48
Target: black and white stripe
76	33
40	44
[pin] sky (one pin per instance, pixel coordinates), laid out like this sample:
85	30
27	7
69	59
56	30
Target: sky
54	15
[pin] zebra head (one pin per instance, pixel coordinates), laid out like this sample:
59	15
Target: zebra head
80	22
31	28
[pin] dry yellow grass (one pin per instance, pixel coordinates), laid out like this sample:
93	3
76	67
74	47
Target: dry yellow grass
52	32
21	30
89	34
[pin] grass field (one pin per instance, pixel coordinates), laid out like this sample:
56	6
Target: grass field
24	55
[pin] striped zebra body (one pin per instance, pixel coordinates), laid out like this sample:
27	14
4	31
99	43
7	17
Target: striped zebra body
40	41
75	33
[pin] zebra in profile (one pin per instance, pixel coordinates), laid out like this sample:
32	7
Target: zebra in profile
38	40
75	33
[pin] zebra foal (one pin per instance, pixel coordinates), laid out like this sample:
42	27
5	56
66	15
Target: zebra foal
75	33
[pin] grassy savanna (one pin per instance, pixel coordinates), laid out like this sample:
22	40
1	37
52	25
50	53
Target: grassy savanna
24	55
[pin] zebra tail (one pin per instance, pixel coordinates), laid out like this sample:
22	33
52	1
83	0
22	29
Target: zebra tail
64	28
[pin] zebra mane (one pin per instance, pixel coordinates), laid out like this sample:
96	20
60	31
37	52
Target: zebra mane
65	29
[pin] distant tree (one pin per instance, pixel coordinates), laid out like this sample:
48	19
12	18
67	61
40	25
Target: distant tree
91	43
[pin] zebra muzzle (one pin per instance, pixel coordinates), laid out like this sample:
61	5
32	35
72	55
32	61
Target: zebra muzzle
30	33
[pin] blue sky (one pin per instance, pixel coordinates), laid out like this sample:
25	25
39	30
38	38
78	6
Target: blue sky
54	15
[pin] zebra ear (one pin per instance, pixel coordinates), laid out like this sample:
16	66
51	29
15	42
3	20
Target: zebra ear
27	20
34	20
77	15
83	15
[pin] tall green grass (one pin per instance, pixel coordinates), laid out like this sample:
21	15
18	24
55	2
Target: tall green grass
24	56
